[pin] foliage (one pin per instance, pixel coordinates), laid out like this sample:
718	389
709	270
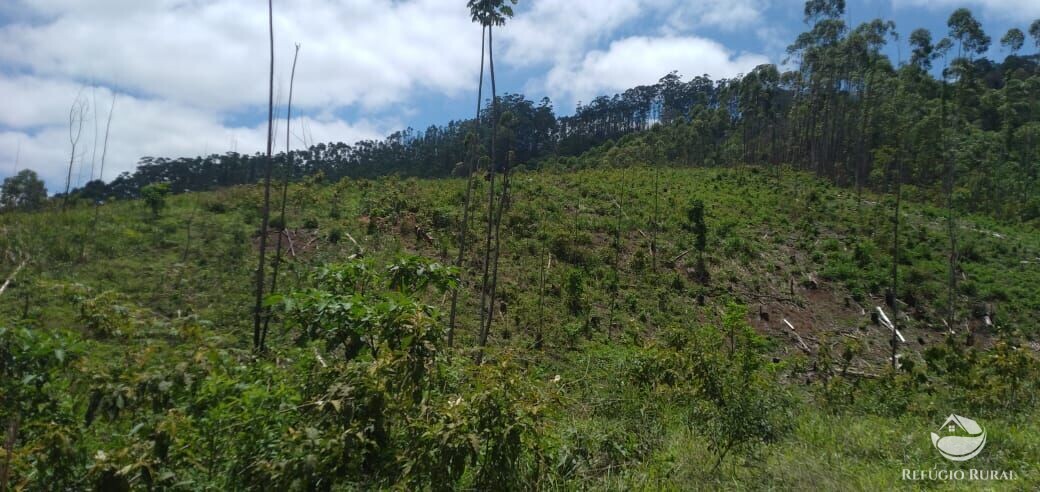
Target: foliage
23	191
154	196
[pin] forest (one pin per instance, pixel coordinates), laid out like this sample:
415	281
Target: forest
785	280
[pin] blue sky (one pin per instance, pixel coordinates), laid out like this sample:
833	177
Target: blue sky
188	76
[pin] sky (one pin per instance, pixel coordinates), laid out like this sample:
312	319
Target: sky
189	77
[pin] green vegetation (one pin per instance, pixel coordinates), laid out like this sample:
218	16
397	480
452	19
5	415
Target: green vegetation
133	366
785	280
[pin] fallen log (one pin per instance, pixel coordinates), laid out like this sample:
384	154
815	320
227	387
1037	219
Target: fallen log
797	336
888	323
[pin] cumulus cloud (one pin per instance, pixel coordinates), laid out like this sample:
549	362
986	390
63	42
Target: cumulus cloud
563	29
213	54
643	60
727	15
185	68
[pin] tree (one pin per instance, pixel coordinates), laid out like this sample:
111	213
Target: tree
266	215
99	196
154	196
289	157
695	225
23	191
921	52
968	32
1034	31
489	13
472	146
1013	40
77	113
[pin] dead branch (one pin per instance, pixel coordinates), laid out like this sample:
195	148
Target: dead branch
12	276
288	236
680	256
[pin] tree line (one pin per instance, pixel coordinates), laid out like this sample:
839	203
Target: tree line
843	110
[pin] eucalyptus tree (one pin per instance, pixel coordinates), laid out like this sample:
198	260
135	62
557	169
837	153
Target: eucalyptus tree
1013	40
1034	31
489	13
941	49
258	313
971	40
921	49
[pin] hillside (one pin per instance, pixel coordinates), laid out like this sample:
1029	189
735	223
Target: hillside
616	359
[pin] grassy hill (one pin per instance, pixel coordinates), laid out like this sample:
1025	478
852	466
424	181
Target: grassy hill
617	359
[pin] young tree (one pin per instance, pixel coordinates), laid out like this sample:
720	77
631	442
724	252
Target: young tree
77	113
489	13
101	177
471	145
266	214
287	173
695	225
154	196
23	191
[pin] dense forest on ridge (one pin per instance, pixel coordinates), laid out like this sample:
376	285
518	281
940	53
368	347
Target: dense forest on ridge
844	112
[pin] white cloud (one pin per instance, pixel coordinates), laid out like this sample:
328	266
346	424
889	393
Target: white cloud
214	54
1025	10
643	60
727	15
140	127
564	29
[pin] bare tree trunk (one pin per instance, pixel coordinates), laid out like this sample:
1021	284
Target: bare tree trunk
258	307
285	193
470	171
101	176
484	309
76	115
898	176
503	203
9	440
951	220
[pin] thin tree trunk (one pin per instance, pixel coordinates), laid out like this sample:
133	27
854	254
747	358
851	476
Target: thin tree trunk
951	220
101	176
895	260
503	202
258	307
491	201
285	194
75	121
470	171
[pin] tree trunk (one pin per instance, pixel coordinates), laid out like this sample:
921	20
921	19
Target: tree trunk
484	310
470	171
285	193
265	219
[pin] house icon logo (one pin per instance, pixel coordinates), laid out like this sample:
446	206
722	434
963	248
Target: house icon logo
959	438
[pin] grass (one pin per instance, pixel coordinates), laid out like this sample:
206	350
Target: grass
792	248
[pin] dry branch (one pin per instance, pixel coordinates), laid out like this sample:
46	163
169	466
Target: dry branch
12	276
